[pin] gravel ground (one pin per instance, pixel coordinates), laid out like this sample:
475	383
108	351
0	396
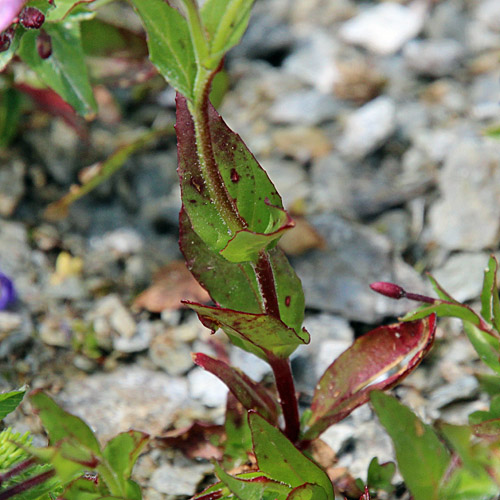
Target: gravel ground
370	119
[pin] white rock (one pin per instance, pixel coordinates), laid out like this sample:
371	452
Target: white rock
385	28
462	275
314	61
368	128
206	388
467	217
433	57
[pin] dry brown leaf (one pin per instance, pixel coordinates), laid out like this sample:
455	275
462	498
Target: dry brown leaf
301	238
171	284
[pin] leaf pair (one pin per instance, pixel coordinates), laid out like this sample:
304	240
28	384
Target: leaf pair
187	44
284	473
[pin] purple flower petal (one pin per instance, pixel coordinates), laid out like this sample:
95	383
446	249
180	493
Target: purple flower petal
9	9
7	291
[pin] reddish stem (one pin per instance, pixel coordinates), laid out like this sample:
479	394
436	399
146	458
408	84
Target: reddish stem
267	285
287	397
27	484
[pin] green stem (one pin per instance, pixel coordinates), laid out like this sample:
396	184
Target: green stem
226	205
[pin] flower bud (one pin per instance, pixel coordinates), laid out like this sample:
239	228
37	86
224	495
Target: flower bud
44	45
4	42
388	289
32	18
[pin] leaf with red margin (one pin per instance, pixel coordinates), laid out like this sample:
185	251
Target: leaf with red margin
246	183
259	334
254	488
250	394
347	382
308	491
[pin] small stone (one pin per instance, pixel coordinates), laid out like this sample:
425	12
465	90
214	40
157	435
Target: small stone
435	58
307	107
485	94
9	321
138	342
368	128
462	389
136	398
467	216
172	357
302	143
462	275
174	479
55	331
206	388
121	242
11	186
111	310
313	62
384	28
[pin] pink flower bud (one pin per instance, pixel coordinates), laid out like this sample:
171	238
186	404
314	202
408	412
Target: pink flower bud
388	289
32	18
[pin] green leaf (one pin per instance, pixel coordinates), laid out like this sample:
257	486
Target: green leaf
9	401
257	488
422	458
60	424
487	346
471	479
243	292
394	350
250	394
64	71
278	457
489	282
308	491
10	112
489	383
461	311
225	22
238	442
65	8
380	476
170	46
259	334
122	451
247	184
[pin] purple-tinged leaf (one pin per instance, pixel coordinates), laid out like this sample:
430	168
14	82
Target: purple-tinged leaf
247	186
250	394
259	334
7	292
281	460
391	351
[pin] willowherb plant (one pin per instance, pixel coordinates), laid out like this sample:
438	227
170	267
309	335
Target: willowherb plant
230	223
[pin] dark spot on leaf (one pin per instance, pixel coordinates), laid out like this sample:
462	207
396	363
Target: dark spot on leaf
197	184
288	299
235	177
